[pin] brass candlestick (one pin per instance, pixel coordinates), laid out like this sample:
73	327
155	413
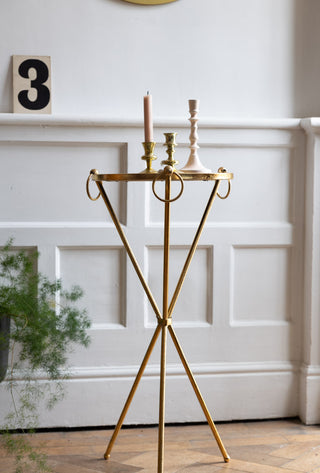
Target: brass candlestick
170	144
149	156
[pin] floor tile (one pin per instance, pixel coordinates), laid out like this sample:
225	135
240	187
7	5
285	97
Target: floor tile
292	451
307	462
279	446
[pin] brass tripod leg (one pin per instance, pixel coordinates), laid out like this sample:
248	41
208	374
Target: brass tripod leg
193	246
155	308
199	396
162	400
132	392
128	249
171	330
166	248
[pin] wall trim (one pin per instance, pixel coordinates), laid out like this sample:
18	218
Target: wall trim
309	409
310	370
311	125
134	122
264	391
199	369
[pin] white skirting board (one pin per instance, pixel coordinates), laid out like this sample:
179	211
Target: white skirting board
309	409
241	391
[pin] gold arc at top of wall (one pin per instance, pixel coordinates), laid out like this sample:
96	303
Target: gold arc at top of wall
149	2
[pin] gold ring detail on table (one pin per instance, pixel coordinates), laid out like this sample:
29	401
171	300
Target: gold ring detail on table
220	170
92	172
167	171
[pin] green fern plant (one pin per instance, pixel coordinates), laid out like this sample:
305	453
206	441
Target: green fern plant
45	323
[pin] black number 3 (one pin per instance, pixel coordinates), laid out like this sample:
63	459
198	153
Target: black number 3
43	93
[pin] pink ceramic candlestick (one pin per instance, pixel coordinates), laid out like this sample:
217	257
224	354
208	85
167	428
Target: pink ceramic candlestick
148	125
194	164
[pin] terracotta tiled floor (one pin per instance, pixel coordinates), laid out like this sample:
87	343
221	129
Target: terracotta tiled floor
280	446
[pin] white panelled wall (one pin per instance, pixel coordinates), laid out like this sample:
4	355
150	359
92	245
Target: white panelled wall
248	313
248	316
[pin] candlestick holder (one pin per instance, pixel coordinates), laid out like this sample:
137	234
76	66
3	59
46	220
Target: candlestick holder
170	144
149	156
193	163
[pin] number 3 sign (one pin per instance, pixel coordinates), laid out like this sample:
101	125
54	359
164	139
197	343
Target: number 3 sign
31	84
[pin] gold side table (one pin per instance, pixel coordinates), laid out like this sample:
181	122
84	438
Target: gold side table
167	175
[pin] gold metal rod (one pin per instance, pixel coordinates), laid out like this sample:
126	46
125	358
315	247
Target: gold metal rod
166	251
128	249
193	247
162	400
198	394
133	390
166	248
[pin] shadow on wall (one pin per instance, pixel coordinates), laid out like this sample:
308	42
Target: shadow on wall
6	92
307	58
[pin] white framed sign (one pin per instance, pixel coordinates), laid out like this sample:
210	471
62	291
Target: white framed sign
31	84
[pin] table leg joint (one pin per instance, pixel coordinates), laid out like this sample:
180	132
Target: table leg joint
165	322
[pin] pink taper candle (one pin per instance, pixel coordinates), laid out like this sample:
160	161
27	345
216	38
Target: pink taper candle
148	125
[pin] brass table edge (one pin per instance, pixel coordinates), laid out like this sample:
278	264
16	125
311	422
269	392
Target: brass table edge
150	177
